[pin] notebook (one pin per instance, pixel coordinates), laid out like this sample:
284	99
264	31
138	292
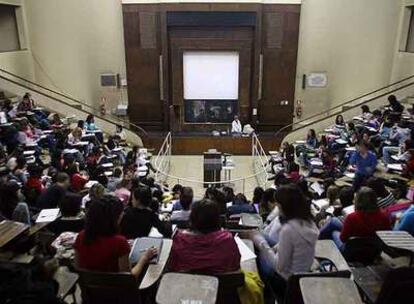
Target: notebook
251	220
143	244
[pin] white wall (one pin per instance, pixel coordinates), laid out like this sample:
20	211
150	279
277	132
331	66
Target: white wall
353	41
73	42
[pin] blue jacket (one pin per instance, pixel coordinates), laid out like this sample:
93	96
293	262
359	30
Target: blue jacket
364	166
406	222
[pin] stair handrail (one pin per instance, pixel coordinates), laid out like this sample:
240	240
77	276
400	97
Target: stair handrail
278	132
114	119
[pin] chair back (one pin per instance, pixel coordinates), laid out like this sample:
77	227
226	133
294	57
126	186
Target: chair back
293	293
181	224
362	250
229	283
108	287
397	287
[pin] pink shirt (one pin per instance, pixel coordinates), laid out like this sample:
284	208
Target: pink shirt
215	252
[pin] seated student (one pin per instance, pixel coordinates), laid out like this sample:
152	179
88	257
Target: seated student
120	133
114	180
310	145
298	234
398	136
140	218
385	198
52	195
186	199
288	151
72	218
346	196
395	105
26	104
11	206
91	127
77	180
339	126
366	113
96	192
75	136
240	205
123	191
55	121
205	247
365	163
406	222
99	247
258	193
364	222
268	203
34	185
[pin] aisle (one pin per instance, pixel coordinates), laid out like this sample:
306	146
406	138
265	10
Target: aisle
191	167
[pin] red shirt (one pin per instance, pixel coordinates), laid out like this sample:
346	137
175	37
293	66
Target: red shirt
215	252
364	224
78	182
102	254
35	183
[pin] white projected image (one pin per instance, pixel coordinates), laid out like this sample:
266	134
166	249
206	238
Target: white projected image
211	75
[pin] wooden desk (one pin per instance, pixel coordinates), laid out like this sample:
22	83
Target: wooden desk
9	230
326	249
155	271
180	288
370	280
67	281
329	290
249	265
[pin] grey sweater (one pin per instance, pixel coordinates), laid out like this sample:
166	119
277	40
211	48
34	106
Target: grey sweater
296	248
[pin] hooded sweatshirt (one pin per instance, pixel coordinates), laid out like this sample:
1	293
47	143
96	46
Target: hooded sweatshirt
296	248
214	252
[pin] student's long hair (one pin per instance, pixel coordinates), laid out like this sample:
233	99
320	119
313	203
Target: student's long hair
339	120
293	204
102	218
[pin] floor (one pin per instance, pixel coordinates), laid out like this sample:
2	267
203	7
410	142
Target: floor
188	171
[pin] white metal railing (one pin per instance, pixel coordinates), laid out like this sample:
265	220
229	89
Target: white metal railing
240	185
260	162
162	162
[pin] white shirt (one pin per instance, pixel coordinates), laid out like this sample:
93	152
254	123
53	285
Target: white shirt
236	126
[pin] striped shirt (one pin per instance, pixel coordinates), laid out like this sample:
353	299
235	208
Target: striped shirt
384	202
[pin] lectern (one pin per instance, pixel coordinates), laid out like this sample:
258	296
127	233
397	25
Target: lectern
212	167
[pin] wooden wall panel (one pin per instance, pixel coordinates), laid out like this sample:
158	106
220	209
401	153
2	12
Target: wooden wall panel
142	49
280	46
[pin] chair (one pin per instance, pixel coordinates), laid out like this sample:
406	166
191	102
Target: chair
293	293
397	287
108	287
363	250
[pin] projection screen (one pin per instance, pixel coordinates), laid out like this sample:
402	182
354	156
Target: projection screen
211	75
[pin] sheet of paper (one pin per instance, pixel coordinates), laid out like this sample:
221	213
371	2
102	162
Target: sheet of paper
245	252
396	167
350	175
48	215
90	184
317	188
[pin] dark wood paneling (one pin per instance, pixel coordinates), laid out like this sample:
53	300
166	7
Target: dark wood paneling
142	49
280	44
147	36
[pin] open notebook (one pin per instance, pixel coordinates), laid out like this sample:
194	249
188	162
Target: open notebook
143	244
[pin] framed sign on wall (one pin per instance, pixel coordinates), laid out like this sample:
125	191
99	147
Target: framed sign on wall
317	80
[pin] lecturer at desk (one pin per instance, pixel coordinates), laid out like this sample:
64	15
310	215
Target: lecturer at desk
236	127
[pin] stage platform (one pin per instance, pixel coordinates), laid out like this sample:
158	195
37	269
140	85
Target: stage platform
197	143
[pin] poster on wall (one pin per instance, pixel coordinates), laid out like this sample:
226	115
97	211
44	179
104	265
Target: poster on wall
317	80
210	111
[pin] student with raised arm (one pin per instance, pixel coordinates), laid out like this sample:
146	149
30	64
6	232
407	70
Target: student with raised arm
99	247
